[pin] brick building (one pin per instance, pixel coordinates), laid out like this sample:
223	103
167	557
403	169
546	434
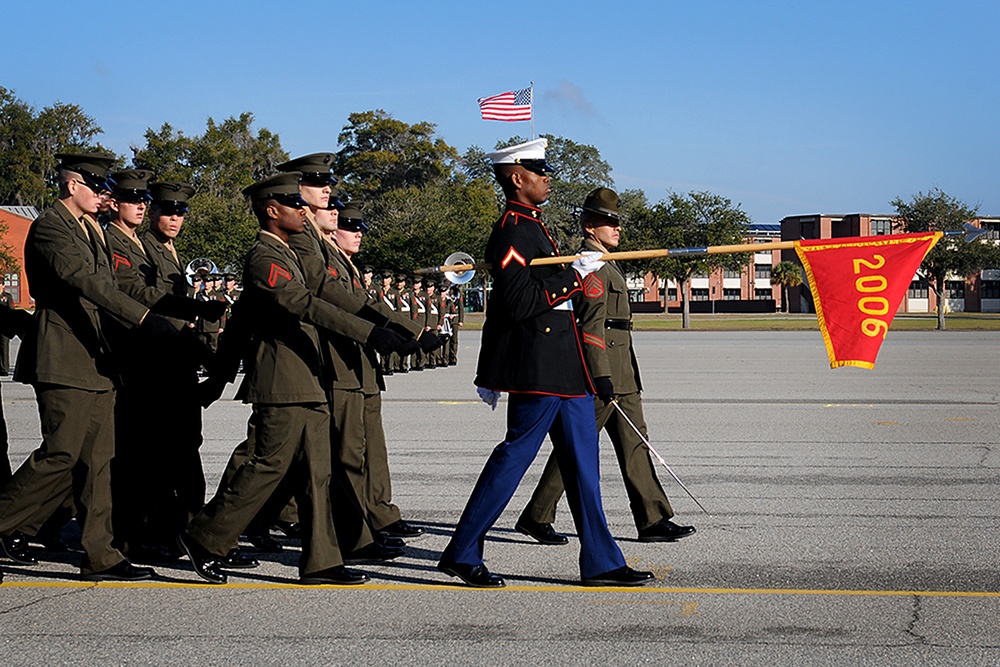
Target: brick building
17	220
977	293
722	291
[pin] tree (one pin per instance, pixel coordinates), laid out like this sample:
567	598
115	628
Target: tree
29	140
379	153
786	274
418	227
951	257
219	163
8	256
421	201
694	220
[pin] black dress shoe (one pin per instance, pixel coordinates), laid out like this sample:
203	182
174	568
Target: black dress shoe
476	576
291	529
665	530
402	529
388	540
123	571
372	553
237	560
542	532
15	547
336	576
623	576
264	542
205	564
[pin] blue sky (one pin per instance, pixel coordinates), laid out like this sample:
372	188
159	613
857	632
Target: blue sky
785	107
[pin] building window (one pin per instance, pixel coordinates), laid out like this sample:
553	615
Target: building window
729	273
731	294
881	227
991	289
918	289
12	286
699	294
954	289
700	274
762	294
762	271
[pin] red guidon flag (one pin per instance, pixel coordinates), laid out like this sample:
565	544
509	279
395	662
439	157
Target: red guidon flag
857	285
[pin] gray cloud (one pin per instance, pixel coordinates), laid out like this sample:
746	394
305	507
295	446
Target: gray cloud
569	96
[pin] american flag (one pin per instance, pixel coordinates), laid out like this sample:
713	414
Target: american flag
510	106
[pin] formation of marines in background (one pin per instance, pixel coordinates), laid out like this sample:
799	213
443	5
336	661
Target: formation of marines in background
122	322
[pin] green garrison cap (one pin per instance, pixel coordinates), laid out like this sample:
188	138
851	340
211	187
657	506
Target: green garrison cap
283	188
131	184
314	169
179	192
350	218
171	198
95	164
603	201
93	167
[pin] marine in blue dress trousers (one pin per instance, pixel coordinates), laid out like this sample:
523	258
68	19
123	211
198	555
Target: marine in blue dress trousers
531	349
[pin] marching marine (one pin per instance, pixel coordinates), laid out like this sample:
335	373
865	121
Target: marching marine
530	348
606	323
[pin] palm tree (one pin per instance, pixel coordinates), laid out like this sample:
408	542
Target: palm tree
786	274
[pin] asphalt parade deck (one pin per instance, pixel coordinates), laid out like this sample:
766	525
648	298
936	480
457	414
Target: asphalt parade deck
854	520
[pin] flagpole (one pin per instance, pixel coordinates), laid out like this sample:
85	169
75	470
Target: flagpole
970	232
531	101
631	254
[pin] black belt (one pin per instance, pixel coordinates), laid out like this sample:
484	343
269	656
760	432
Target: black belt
624	325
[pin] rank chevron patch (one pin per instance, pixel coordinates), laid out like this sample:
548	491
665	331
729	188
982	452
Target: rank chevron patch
512	256
593	287
591	339
276	272
119	260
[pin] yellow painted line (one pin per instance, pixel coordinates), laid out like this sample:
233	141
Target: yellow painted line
517	588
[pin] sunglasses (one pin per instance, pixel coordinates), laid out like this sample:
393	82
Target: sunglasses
132	197
96	189
172	207
289	199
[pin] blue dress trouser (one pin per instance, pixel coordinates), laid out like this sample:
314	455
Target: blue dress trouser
529	419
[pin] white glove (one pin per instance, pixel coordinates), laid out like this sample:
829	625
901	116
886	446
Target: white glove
588	263
489	397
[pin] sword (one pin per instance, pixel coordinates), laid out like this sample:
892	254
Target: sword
656	454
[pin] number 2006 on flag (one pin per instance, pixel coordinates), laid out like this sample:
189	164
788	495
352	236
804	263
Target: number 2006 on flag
870	302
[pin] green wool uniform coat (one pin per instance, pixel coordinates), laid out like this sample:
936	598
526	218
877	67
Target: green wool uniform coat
285	383
358	436
168	374
68	359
